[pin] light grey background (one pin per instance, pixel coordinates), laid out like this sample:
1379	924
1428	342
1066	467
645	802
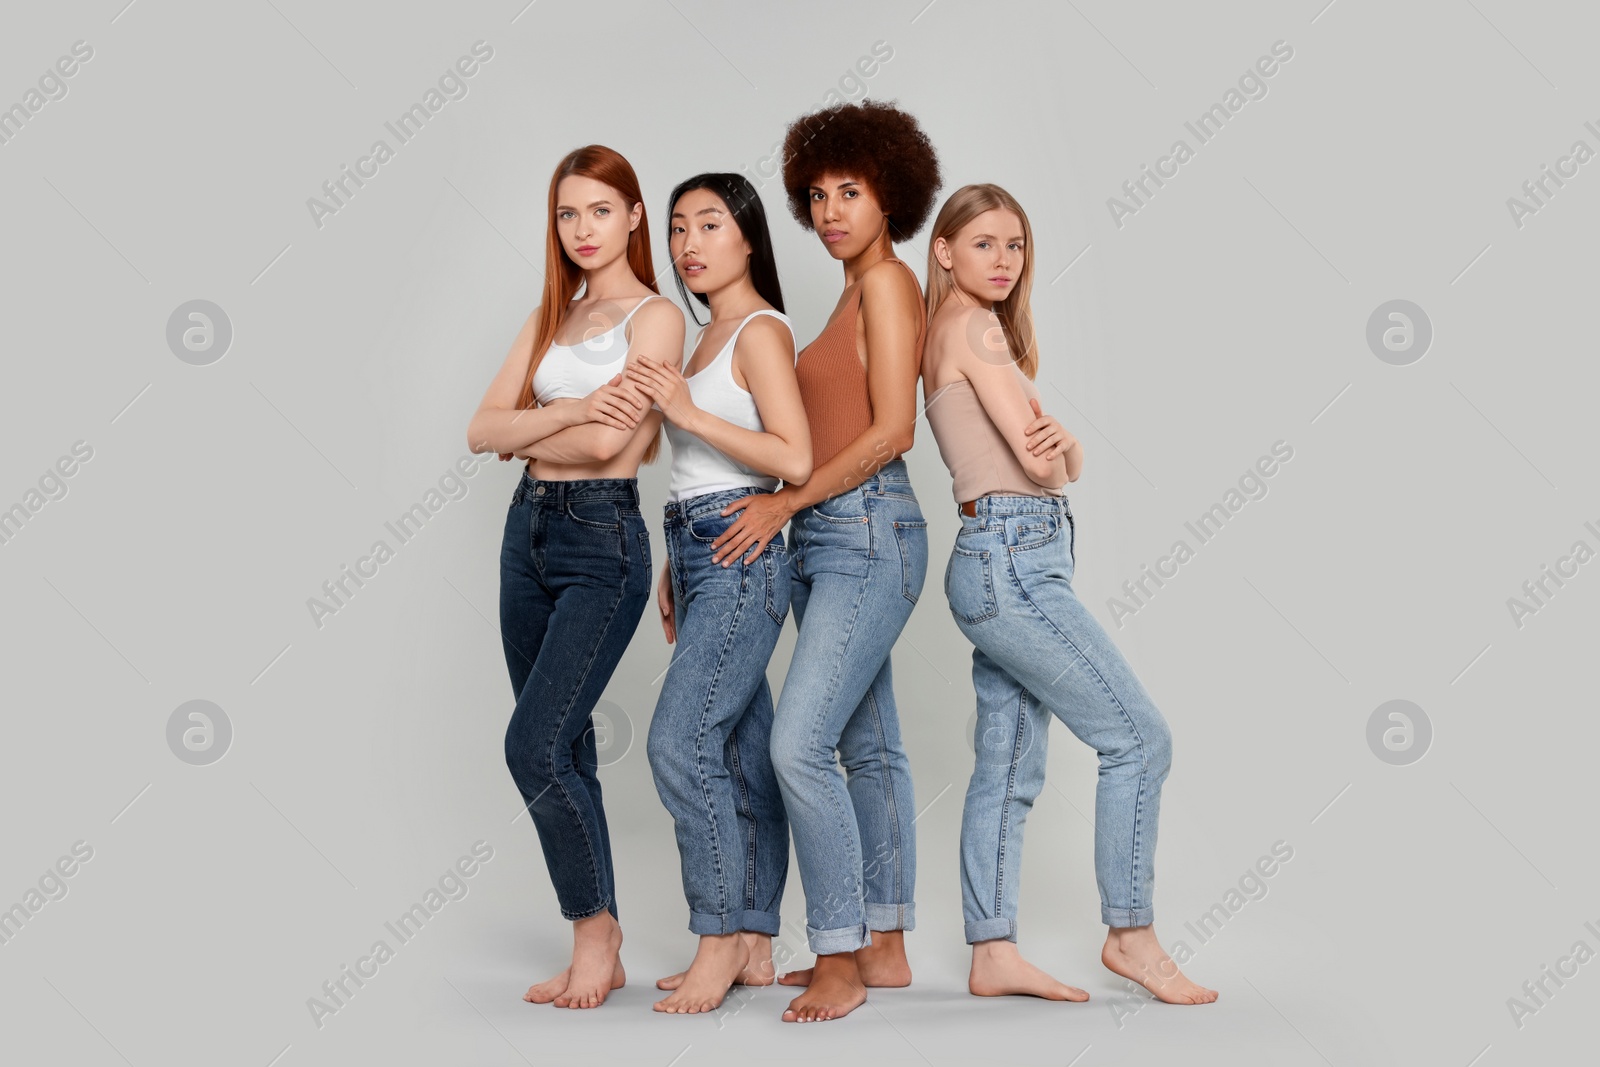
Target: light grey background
1229	313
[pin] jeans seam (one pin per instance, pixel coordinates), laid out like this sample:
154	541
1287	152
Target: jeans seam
888	797
844	819
594	651
711	692
1144	751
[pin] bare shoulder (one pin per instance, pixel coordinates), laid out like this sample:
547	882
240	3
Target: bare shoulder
765	333
887	282
659	314
962	333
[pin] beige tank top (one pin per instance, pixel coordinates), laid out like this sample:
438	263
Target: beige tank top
980	461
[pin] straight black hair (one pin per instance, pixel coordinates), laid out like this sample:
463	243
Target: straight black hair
745	204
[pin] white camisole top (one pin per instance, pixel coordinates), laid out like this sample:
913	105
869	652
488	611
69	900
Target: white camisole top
578	370
697	467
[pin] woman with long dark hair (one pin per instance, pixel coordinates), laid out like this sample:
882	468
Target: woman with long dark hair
575	557
737	426
1037	651
860	176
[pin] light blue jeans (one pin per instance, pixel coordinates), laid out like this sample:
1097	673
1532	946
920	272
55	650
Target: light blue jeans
711	734
857	562
1038	652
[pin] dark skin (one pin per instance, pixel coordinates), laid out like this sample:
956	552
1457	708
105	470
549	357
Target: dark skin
891	309
853	226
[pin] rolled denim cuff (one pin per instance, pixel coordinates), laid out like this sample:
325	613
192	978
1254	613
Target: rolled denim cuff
891	916
842	939
1122	917
990	930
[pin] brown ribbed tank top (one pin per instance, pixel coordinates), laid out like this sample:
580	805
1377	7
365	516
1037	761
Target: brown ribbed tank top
833	382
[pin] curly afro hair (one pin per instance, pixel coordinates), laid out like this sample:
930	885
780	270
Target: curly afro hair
874	141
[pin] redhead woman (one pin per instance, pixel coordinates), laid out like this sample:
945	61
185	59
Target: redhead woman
1037	651
859	176
737	427
575	564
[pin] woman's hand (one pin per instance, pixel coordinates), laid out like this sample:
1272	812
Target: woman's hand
760	516
664	602
1046	436
615	404
664	384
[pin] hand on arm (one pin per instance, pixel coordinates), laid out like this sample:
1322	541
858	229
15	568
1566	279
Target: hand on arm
764	354
1037	440
499	425
617	411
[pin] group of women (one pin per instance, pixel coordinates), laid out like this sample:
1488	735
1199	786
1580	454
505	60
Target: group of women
788	493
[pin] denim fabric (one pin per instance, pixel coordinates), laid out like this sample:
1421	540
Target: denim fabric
1038	652
574	580
712	728
857	562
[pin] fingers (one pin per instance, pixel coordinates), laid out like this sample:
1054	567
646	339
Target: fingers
736	546
1048	440
1034	403
613	414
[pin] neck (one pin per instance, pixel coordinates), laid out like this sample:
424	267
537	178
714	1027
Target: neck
735	300
880	249
615	279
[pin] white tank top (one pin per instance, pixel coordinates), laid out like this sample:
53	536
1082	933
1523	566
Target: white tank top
697	467
578	370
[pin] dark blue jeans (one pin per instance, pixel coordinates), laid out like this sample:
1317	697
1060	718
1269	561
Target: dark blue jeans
574	581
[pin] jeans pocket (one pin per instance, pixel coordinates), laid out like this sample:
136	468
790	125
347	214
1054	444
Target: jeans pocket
707	528
1032	531
911	539
969	585
774	563
595	514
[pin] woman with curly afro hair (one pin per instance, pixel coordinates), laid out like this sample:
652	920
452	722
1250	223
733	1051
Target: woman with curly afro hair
859	176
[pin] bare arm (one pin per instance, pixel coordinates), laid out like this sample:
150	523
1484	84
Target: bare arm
657	328
764	355
499	425
1003	398
890	310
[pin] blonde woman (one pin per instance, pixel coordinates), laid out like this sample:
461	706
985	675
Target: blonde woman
1037	651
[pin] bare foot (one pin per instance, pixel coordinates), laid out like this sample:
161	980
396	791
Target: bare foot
546	991
1134	953
835	991
758	971
596	966
717	963
998	970
882	964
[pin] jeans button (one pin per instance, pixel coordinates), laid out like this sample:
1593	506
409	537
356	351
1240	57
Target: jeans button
539	490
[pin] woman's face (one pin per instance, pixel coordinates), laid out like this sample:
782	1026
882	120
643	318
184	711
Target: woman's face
593	221
707	247
986	256
845	214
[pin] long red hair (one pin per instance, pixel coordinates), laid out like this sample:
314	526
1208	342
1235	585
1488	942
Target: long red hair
562	276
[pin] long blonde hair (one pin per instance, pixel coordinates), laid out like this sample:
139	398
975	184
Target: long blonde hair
1016	310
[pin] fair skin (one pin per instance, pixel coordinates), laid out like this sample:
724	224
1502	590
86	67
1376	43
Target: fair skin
965	340
713	258
851	224
602	435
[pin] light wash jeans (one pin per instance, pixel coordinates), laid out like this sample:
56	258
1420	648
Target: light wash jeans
857	562
710	737
1037	652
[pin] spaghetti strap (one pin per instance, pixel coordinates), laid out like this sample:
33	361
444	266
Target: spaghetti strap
640	304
